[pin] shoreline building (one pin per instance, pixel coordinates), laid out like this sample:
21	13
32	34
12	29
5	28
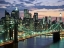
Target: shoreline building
26	13
35	18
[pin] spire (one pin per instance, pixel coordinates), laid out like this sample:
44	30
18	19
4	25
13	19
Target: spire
60	14
16	8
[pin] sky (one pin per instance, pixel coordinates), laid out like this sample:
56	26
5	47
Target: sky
42	7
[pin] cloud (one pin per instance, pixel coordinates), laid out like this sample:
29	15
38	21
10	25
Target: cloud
49	2
2	6
12	1
47	12
49	7
3	2
60	0
21	4
27	0
32	4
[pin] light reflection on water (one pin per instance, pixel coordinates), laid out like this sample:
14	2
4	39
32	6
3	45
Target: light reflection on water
59	44
36	42
41	42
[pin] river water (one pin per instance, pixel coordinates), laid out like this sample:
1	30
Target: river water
40	42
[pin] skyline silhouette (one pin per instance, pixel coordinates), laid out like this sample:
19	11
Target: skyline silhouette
43	7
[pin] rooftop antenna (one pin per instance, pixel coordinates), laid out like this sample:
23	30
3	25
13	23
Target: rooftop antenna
60	11
16	8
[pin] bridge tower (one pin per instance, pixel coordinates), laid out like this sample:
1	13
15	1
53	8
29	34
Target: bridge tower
56	36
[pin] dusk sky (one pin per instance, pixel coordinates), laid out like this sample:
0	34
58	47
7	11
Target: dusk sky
43	7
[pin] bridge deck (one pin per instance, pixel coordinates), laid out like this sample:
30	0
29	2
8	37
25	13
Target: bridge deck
5	43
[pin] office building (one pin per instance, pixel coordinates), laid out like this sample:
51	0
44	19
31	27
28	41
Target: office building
26	13
49	20
46	19
35	17
30	15
15	13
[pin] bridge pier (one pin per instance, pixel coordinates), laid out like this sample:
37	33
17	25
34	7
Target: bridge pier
56	36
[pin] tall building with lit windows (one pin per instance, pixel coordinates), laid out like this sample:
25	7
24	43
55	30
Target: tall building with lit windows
30	15
46	19
15	13
26	13
35	17
7	15
49	20
7	18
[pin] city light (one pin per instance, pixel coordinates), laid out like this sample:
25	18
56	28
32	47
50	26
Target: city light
1	41
3	31
10	27
6	39
15	28
11	38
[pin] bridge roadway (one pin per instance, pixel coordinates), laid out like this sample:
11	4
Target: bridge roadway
4	43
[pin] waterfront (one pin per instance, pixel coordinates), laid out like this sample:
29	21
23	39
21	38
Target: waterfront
40	42
36	42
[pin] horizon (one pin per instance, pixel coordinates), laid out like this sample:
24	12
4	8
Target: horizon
42	7
21	12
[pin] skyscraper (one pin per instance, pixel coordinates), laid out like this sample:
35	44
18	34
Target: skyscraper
26	13
35	17
49	20
7	15
46	19
30	15
7	18
15	13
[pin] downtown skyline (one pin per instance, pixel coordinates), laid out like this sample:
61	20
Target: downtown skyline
42	7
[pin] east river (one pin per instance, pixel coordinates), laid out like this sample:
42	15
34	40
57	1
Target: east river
40	42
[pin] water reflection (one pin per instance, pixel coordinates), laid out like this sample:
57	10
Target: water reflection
41	42
36	42
55	45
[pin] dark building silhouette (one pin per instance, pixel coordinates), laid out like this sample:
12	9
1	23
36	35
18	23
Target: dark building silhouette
35	17
15	13
46	19
26	13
